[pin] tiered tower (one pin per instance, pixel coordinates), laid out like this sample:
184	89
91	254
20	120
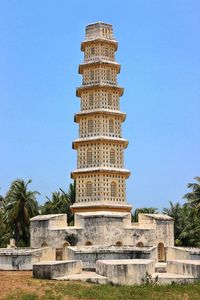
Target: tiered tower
100	175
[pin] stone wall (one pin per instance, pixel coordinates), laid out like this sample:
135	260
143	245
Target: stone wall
162	224
23	258
101	228
182	253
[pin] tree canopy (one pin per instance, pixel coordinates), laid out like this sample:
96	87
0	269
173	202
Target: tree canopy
60	202
20	205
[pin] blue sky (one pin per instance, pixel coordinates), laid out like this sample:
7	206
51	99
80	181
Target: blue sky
159	50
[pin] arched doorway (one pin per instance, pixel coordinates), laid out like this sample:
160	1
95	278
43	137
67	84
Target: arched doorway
161	252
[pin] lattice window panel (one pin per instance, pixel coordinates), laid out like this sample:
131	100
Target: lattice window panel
89	156
101	188
100	74
113	189
102	98
90	126
112	156
88	189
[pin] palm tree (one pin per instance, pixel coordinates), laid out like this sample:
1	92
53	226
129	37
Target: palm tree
20	205
144	210
4	234
60	202
72	192
190	227
186	224
175	211
193	197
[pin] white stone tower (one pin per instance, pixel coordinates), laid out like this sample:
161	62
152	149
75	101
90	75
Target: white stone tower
100	175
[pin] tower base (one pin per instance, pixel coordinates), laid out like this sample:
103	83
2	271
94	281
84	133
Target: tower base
92	207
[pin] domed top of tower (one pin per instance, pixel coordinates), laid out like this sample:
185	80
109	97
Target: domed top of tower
99	30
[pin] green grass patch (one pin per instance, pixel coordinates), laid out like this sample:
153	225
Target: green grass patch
69	290
22	296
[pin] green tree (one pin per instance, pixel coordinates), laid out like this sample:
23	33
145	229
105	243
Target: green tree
193	197
144	210
190	227
175	211
72	192
4	235
19	206
186	224
60	202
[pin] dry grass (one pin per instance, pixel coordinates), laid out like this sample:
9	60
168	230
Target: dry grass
21	286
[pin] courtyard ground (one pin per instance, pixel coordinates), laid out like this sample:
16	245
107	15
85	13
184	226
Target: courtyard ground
21	286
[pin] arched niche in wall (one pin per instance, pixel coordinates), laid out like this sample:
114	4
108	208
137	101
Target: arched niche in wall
161	252
119	244
140	244
88	243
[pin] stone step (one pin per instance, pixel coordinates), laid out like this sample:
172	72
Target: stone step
163	278
85	276
169	278
161	268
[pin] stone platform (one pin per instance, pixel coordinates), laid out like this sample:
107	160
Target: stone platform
125	271
90	254
54	269
169	278
163	278
13	259
86	276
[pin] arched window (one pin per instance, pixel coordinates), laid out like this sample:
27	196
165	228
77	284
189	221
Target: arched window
90	126
112	156
113	189
140	244
109	99
90	99
111	126
89	156
89	189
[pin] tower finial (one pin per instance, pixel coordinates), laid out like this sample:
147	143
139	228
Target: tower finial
99	30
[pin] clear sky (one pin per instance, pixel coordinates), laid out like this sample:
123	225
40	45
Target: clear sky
159	50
